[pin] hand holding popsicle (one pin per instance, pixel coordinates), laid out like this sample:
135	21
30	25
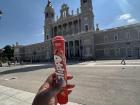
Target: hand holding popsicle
56	88
47	94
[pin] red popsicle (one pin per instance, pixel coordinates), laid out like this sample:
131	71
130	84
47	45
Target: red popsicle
60	67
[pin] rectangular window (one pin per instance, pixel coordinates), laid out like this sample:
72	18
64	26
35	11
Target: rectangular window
112	52
106	52
136	52
86	27
123	52
105	38
129	52
100	53
117	52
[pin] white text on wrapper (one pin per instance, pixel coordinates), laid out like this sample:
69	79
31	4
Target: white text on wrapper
59	67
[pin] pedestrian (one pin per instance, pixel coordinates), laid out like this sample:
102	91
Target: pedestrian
123	61
47	94
9	63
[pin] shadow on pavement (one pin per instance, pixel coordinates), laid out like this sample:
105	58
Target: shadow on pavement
26	69
34	68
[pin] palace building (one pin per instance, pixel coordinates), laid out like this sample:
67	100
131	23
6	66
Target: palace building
83	41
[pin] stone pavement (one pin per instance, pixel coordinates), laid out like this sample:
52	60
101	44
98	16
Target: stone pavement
10	96
135	62
106	63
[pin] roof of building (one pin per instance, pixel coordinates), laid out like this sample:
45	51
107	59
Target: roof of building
120	28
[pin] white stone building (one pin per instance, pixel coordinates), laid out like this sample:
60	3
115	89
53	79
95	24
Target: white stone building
82	40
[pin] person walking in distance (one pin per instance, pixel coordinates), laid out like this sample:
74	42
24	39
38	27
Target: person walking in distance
123	61
9	63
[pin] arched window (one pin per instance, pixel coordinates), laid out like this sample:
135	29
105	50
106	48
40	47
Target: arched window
116	37
84	1
86	27
52	15
64	13
46	15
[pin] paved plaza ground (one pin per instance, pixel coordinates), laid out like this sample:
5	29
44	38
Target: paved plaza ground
10	96
97	83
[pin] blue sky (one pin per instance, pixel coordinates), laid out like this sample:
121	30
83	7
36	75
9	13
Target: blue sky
23	20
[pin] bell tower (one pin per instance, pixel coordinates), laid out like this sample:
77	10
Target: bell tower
49	20
87	15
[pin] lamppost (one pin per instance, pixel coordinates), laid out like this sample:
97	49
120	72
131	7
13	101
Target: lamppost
0	14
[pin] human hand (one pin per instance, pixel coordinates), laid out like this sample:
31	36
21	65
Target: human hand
47	93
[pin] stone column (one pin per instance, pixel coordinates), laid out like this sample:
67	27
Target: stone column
66	29
52	32
68	49
78	26
74	48
81	49
72	27
56	30
63	29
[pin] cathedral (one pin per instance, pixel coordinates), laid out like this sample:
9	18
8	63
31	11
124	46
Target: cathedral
82	40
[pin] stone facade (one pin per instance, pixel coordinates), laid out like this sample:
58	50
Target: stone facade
77	30
82	40
118	42
33	52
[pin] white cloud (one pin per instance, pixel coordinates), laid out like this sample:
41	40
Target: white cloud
131	21
124	17
127	18
122	20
